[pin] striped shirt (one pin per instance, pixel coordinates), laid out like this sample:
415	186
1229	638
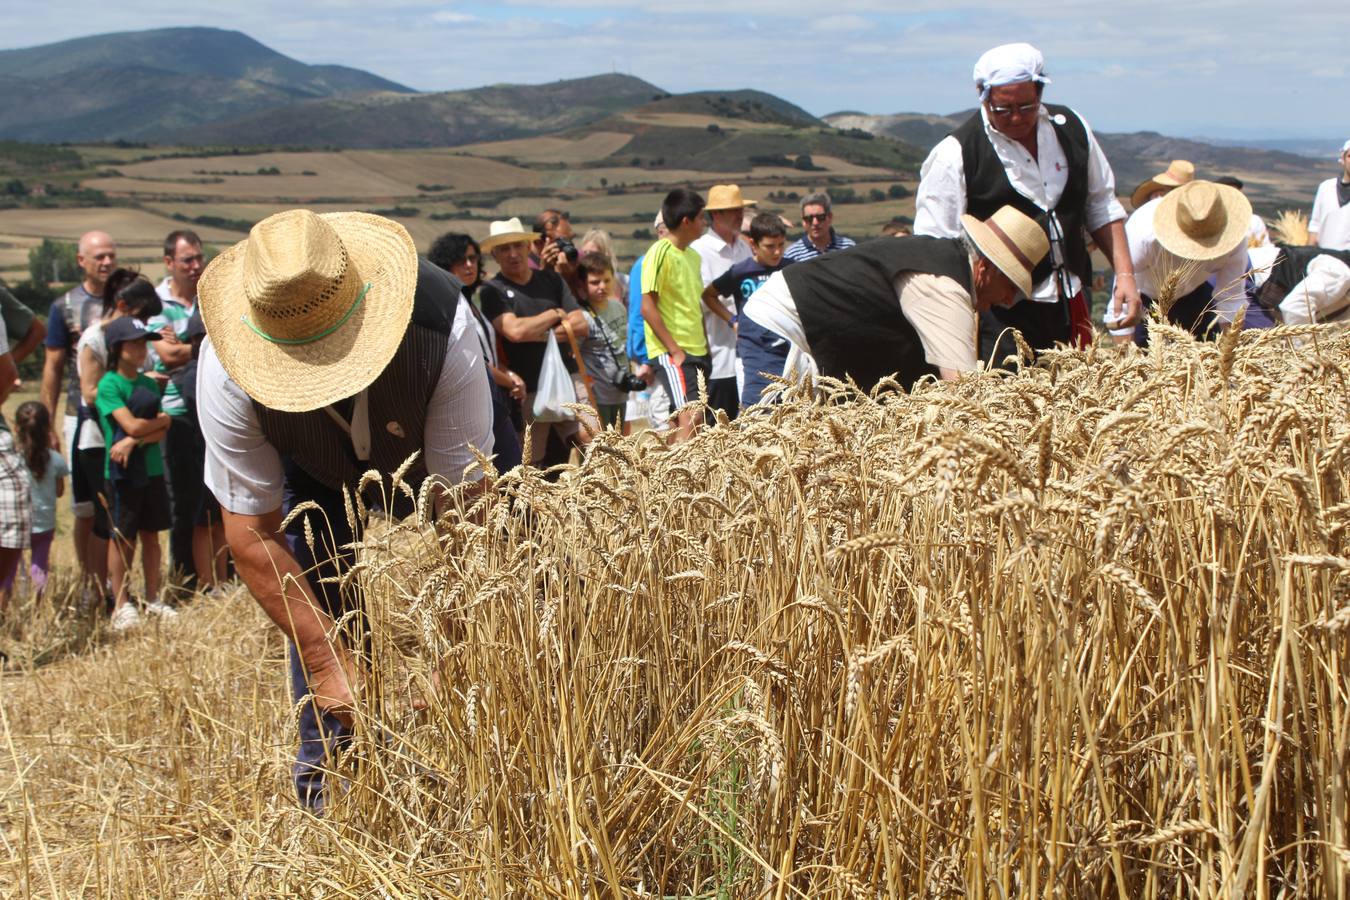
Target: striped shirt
175	313
802	248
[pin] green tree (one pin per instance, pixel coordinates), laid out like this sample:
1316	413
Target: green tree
897	192
52	261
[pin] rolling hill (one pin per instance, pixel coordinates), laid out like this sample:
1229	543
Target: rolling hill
445	119
144	85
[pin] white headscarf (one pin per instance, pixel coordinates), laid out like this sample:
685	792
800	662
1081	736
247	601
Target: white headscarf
1009	64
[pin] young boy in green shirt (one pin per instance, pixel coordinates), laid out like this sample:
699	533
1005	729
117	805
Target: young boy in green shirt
672	308
139	499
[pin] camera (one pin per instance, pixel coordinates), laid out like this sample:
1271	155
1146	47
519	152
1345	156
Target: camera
630	383
566	248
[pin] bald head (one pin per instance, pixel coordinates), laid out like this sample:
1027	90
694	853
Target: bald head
97	256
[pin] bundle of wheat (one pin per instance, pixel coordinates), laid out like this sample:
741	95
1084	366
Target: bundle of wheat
1291	228
1080	631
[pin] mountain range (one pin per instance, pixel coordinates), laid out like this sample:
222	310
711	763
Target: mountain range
214	87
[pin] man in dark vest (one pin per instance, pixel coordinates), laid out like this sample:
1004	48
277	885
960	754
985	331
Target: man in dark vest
1045	161
900	307
331	350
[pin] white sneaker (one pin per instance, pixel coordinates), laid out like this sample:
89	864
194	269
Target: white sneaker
161	609
125	618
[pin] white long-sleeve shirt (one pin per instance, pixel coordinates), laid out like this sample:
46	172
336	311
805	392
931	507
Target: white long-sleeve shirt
941	200
1152	264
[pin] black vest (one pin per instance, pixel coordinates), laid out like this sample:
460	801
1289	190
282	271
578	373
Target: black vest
850	314
1291	267
398	399
988	189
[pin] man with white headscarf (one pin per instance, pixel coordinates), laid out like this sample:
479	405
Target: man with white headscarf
1044	161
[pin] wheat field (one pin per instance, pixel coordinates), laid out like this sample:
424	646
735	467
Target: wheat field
1078	631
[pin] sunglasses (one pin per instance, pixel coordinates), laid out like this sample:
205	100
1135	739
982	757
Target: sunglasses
472	258
1024	109
816	217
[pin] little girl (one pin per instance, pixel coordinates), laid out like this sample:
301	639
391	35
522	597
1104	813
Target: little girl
47	471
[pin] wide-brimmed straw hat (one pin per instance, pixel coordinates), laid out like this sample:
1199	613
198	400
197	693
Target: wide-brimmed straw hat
1202	220
310	308
1012	241
726	196
1179	172
508	231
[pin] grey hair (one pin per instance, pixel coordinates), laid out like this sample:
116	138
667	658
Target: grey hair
817	198
971	248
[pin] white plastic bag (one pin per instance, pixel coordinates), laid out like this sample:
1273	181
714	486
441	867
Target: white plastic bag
555	386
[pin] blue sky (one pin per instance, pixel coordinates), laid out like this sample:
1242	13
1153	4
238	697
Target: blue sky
1226	69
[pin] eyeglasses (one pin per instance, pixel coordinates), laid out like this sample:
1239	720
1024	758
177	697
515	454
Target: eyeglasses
471	259
1024	109
815	217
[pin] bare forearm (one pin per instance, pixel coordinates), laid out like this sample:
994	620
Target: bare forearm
1111	238
652	315
580	327
716	306
52	366
174	353
143	429
36	332
275	579
8	374
531	328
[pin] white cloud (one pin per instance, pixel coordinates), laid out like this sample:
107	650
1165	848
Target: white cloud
452	17
840	23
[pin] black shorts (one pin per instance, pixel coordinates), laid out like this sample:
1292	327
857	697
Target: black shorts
137	509
208	509
681	382
88	487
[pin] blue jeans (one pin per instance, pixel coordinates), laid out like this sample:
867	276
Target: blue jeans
322	737
760	351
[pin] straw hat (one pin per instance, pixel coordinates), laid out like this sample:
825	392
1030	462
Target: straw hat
1179	172
310	308
1011	241
726	196
1201	221
508	231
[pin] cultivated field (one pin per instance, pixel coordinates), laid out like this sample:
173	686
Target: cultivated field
594	146
1081	631
463	188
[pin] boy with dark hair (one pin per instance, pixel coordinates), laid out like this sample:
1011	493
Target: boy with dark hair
759	349
603	349
672	288
140	505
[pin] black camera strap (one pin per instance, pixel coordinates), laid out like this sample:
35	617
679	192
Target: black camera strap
605	335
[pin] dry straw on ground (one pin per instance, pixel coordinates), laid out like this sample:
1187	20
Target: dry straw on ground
1078	632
